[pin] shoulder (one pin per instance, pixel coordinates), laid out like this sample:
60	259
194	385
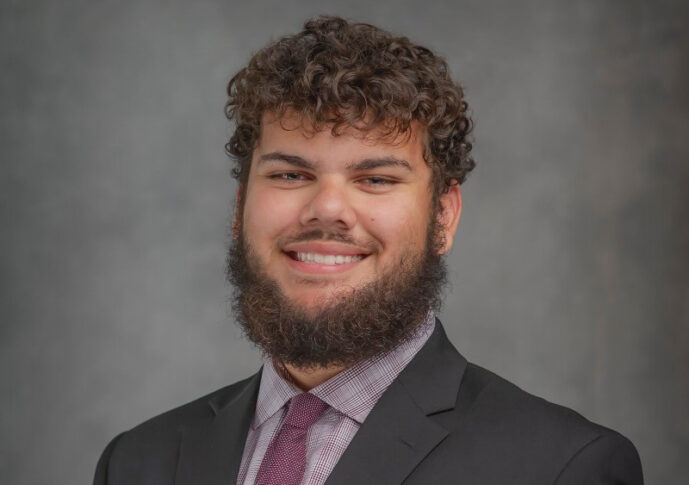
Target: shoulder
156	441
190	414
535	437
485	394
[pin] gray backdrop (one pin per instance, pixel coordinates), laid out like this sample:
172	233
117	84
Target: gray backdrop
570	272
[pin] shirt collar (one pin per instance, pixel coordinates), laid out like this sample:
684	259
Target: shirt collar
273	393
354	391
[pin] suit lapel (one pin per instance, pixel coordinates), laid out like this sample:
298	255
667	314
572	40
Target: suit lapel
395	437
211	453
398	434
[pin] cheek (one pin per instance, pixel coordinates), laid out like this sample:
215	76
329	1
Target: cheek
267	215
397	224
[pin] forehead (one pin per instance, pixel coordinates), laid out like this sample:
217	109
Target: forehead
298	136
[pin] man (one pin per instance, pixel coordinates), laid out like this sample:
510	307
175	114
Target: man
350	147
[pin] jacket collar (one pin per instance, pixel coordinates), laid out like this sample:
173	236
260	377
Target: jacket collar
399	432
211	452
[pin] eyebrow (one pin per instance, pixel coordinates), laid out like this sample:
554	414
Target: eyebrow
365	164
283	157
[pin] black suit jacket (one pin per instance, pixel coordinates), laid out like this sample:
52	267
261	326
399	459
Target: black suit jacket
442	421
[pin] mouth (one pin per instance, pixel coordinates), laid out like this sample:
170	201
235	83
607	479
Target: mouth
323	264
326	259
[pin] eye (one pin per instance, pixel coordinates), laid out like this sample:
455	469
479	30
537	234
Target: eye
287	177
378	182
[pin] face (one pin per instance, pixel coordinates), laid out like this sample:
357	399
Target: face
335	255
326	214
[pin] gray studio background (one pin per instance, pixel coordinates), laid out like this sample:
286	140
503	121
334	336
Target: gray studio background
570	274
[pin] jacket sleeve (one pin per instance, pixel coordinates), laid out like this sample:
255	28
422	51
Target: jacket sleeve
101	476
610	459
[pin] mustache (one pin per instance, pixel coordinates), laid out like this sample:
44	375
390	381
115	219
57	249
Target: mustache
322	235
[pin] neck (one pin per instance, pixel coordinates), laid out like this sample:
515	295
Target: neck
307	378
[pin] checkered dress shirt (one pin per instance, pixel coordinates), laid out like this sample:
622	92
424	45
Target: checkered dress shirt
351	395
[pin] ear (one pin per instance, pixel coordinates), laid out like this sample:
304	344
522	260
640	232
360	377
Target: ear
449	210
237	217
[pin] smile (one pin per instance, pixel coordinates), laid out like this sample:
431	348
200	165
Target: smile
323	264
331	259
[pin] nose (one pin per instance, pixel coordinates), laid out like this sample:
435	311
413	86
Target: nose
328	205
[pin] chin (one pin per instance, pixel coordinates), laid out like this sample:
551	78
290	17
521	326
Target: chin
318	298
314	300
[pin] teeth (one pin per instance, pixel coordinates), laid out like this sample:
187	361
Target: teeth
327	258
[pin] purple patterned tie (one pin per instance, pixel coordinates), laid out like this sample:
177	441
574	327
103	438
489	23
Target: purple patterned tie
285	458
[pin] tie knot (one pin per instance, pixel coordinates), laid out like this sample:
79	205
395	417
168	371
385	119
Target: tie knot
304	410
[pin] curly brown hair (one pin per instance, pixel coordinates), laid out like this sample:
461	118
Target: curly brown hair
345	74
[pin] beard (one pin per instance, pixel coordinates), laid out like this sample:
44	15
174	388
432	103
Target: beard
354	324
